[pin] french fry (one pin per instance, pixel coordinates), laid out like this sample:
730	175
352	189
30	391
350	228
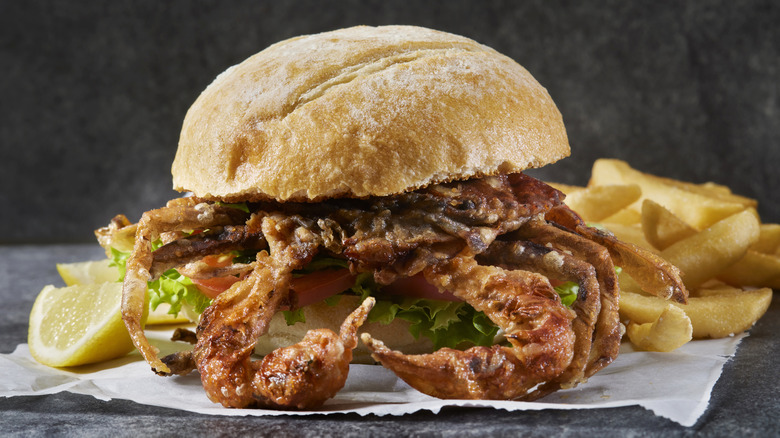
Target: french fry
567	189
699	207
670	331
707	253
629	233
714	236
641	309
715	316
754	269
661	227
712	287
727	313
716	188
712	190
626	216
608	171
768	240
598	202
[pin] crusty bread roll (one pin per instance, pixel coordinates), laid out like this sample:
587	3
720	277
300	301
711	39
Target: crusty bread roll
364	111
359	112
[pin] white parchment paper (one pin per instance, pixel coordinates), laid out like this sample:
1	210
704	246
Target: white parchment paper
674	385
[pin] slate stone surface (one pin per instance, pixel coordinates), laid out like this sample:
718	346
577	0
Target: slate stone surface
92	94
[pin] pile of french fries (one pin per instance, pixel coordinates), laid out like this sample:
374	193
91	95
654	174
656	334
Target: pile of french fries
729	260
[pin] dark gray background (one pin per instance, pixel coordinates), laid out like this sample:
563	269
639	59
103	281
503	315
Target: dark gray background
92	95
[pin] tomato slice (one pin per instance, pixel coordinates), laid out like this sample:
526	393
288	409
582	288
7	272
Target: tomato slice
417	286
211	287
315	287
218	261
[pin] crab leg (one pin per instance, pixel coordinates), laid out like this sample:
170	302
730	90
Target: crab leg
536	324
306	374
561	266
654	274
183	214
301	376
606	340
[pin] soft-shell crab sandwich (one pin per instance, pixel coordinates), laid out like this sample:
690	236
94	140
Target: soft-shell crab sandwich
391	157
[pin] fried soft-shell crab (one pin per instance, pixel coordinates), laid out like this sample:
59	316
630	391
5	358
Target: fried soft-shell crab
494	242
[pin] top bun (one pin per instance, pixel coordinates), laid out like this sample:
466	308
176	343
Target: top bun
364	111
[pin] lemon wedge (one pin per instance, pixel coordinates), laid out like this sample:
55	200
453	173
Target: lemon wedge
101	271
98	271
78	325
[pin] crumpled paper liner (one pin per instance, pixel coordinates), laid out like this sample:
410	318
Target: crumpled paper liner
674	385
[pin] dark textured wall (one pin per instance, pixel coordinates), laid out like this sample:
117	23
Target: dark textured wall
92	94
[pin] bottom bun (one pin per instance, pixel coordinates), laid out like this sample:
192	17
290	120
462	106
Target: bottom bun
395	335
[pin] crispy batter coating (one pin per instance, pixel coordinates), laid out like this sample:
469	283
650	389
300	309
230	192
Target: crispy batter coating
495	242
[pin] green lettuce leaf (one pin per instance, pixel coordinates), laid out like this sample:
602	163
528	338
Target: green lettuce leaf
453	324
178	291
172	288
568	292
291	317
445	323
119	260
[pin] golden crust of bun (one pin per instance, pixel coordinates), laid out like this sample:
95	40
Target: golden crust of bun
395	335
364	111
